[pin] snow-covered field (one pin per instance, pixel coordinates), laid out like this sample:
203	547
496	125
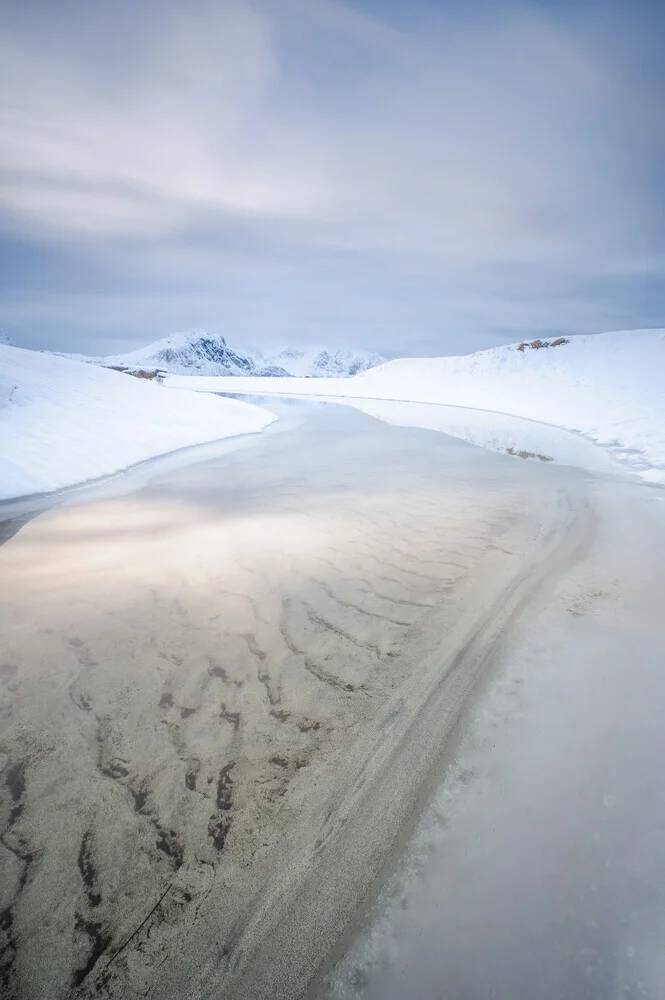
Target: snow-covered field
64	422
608	387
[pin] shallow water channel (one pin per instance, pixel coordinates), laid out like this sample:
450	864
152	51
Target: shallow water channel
230	687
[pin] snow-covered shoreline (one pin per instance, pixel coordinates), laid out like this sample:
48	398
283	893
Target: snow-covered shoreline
64	422
607	387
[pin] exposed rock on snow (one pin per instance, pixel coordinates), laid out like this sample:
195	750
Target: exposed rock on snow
64	422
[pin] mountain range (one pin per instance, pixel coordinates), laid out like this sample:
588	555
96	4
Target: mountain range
204	354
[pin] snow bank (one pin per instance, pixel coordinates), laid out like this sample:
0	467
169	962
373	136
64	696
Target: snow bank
608	387
64	422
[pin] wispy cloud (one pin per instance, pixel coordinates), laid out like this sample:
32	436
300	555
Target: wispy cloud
452	147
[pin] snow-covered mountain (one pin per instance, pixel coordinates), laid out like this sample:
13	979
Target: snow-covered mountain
202	354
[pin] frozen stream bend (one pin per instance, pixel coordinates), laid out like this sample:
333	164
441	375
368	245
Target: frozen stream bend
226	696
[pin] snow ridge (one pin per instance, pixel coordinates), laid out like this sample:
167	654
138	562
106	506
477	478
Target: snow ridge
64	422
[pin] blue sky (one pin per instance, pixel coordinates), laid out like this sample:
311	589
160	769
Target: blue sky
409	178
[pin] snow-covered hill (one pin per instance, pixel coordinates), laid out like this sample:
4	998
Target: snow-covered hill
199	353
608	387
64	422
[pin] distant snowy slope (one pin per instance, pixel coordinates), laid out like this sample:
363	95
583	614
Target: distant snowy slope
199	353
609	387
64	422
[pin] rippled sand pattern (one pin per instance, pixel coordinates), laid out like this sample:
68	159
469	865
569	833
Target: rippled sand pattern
200	684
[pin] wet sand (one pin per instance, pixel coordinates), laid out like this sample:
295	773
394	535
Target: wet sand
223	698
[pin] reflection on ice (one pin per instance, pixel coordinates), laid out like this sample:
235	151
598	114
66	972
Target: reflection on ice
494	431
528	454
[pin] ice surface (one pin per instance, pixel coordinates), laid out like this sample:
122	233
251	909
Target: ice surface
228	686
538	870
500	432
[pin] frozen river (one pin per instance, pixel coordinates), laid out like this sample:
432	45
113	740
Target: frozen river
359	709
538	868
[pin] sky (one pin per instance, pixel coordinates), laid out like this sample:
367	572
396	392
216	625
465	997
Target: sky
404	177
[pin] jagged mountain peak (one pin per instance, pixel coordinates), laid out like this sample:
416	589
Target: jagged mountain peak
197	352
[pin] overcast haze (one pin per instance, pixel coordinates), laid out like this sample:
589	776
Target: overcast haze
403	177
